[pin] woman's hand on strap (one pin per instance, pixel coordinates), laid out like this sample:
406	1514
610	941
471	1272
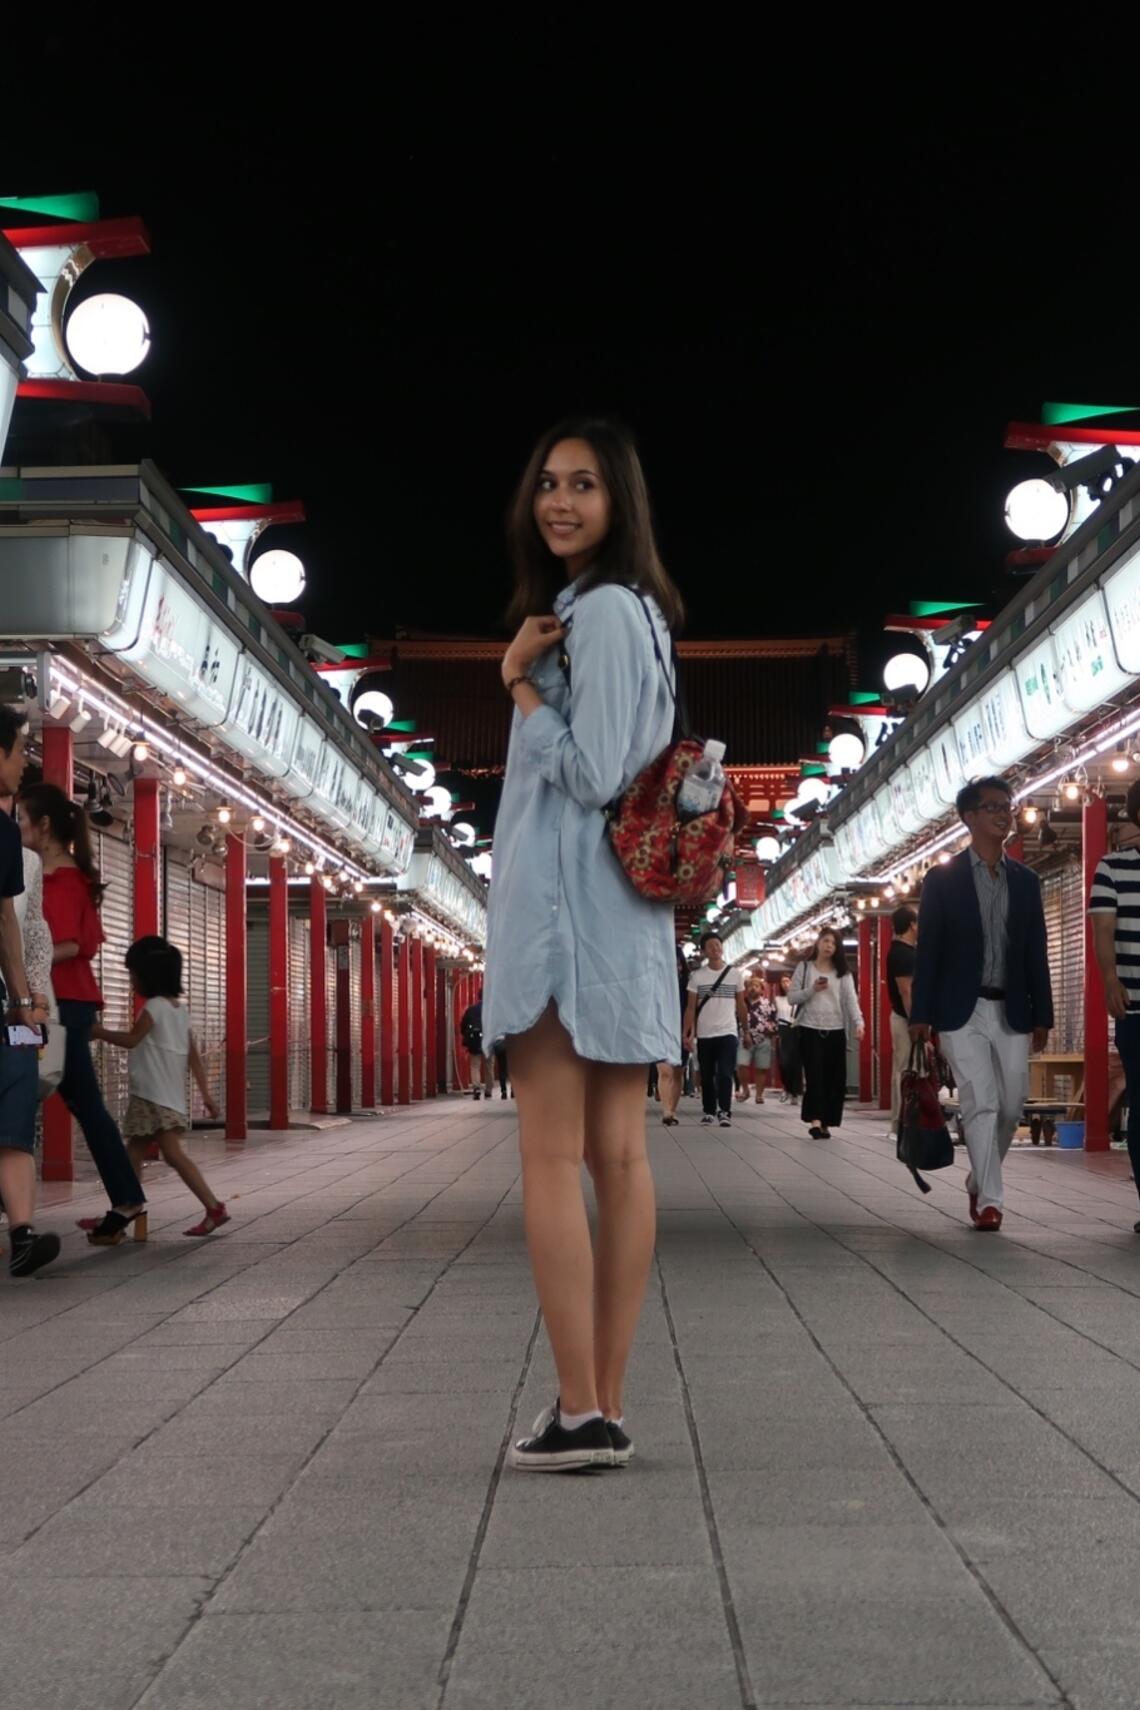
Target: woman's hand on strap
536	637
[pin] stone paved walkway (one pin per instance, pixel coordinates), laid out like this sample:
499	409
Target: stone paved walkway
881	1460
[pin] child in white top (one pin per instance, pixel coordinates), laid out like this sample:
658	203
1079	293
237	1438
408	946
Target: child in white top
162	1048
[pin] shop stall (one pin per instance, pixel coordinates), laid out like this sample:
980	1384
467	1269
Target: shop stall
1049	697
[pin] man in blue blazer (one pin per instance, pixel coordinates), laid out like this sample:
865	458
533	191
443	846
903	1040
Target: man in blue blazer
981	982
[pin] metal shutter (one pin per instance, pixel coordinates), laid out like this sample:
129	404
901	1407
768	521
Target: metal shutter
117	867
257	1009
1070	1032
354	964
300	1092
206	986
1063	897
176	923
330	1027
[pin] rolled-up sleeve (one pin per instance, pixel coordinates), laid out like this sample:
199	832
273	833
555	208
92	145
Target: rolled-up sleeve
585	754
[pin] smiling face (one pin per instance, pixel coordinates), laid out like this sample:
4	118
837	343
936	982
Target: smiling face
992	819
571	504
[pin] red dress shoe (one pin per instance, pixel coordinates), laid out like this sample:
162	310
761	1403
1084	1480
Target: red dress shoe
973	1206
990	1218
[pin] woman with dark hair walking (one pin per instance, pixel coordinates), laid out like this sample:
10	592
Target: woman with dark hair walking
823	992
581	970
53	826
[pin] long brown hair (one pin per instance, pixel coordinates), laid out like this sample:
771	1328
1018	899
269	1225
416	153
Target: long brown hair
68	826
839	960
629	552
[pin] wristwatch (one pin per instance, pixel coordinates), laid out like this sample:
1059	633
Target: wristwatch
23	1003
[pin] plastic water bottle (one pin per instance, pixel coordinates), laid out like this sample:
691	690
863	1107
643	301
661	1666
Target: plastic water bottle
704	784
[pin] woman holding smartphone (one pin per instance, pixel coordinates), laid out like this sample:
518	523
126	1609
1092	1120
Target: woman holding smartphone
56	829
823	994
581	970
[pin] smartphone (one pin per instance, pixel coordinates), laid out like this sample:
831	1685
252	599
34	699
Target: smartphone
25	1037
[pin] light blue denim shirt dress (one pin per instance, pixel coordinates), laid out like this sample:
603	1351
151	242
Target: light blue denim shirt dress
565	922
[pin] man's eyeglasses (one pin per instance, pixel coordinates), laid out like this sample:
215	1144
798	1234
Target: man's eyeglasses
994	807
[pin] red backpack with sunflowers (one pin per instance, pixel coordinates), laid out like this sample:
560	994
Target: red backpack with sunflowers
668	859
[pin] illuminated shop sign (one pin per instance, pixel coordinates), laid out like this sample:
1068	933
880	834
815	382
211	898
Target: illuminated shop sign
1086	661
1122	600
1039	688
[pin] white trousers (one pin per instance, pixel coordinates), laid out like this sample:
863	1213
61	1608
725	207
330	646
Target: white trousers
990	1063
900	1057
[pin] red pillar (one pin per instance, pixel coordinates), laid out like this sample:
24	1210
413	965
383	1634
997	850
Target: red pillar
886	1053
278	993
147	857
59	1157
387	1020
443	1077
236	1018
343	954
417	1018
368	1012
432	1086
1094	844
404	1042
318	999
866	1000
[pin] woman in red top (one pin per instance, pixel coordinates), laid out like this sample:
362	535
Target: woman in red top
56	829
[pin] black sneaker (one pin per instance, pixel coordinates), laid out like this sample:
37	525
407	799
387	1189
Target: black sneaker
620	1443
551	1448
725	1119
707	1121
30	1251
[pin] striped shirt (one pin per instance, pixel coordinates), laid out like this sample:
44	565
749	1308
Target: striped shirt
1116	890
993	901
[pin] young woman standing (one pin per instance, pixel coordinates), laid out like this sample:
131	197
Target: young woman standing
823	991
52	825
581	978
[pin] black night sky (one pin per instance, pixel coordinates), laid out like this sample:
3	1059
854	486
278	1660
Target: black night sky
816	291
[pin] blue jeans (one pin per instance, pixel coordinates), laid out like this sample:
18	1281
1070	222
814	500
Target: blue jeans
82	1095
717	1058
1128	1044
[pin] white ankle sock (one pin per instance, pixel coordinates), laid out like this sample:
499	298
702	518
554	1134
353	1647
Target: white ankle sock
571	1421
618	1422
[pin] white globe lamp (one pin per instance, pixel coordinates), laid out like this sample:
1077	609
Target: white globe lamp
814	789
421	780
464	833
1036	511
906	671
481	864
277	577
108	335
437	801
374	705
846	751
767	848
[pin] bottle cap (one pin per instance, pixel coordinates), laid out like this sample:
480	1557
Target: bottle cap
714	750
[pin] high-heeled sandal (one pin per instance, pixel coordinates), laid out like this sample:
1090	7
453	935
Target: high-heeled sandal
113	1228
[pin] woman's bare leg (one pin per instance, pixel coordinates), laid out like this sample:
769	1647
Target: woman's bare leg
669	1078
627	1218
550	1090
170	1145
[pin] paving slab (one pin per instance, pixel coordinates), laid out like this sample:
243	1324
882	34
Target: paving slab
879	1461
